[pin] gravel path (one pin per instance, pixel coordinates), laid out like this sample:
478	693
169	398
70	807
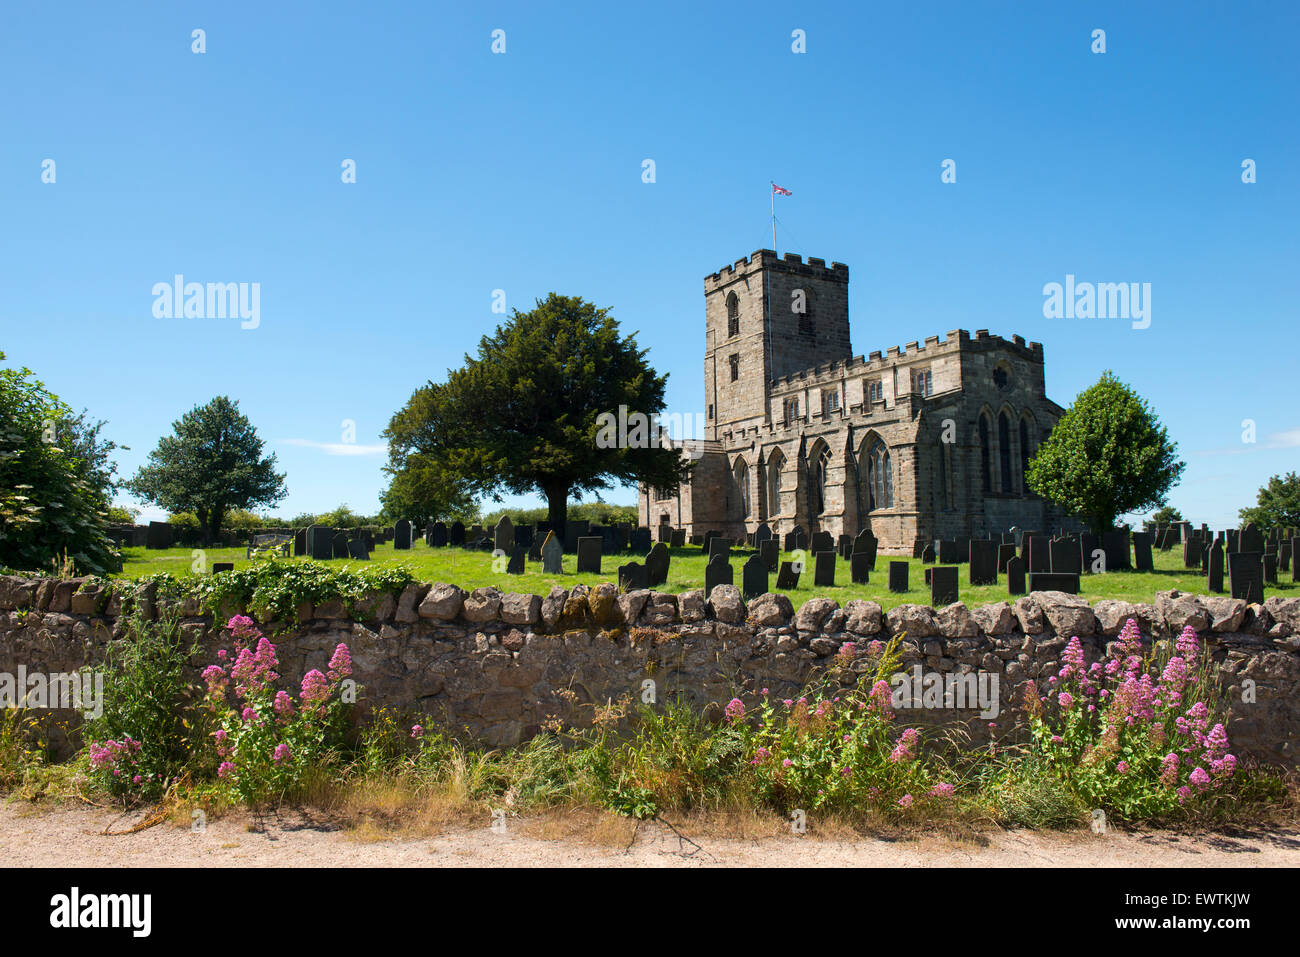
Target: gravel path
72	836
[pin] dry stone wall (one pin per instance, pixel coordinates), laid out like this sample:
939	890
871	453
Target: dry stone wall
502	665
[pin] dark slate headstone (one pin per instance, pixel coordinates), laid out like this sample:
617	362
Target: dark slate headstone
822	542
456	534
656	565
665	534
679	538
477	535
844	546
1016	575
983	562
1006	552
927	555
717	572
1214	572
1088	557
1270	568
1295	559
943	585
762	534
796	538
574	530
524	536
340	549
552	555
867	544
824	569
438	535
753	577
787	578
504	535
402	535
1234	540
160	535
632	577
516	564
948	552
719	546
320	542
1038	555
769	551
219	567
639	540
1284	557
1246	576
300	542
1066	556
611	538
1252	539
1054	581
589	554
898	576
357	550
859	568
1142	558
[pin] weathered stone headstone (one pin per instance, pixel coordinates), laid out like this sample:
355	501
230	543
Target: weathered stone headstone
1252	539
402	535
844	546
983	562
160	535
719	546
787	578
679	538
824	569
753	576
822	542
860	568
1246	576
656	565
762	534
1284	557
943	585
300	542
320	542
357	550
796	538
589	554
1142	558
552	555
632	577
516	564
456	534
717	572
1038	557
927	555
898	576
339	547
1295	559
219	567
1270	568
1054	581
639	540
1015	575
1089	560
504	535
1214	571
949	552
574	530
867	544
1006	552
1066	556
437	535
665	534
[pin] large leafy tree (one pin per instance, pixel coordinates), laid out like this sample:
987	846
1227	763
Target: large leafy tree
1167	516
1108	456
523	415
210	464
56	480
1278	503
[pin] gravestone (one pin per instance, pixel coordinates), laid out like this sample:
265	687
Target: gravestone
859	568
1038	553
1234	540
844	546
1246	576
456	534
1088	548
898	576
753	576
438	535
552	555
665	534
1006	552
943	585
656	565
867	544
402	535
762	534
535	549
787	578
1270	568
1214	571
717	572
589	554
320	542
639	540
1142	558
949	553
160	535
632	577
611	538
927	555
983	562
219	567
719	546
516	564
1251	540
340	547
824	569
1066	556
300	542
574	530
357	550
1192	548
796	538
524	536
1295	559
1284	557
822	542
504	535
1016	575
1054	581
770	551
679	538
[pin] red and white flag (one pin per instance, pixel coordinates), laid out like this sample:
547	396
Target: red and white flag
780	190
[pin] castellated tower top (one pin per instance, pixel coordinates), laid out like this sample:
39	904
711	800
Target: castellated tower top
768	259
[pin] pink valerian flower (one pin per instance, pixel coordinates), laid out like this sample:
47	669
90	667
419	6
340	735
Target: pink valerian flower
250	716
788	702
761	755
905	801
1188	644
225	769
1066	700
215	678
282	753
941	790
787	763
1173	679
283	704
314	690
341	662
875	647
417	732
1073	658
243	627
1223	768
1184	794
735	710
1216	743
847	650
1122	767
903	746
1169	770
1057	739
1199	778
881	698
846	771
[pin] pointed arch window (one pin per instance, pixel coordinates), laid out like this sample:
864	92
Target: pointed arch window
740	472
880	477
1024	456
774	466
818	490
1004	451
984	455
733	315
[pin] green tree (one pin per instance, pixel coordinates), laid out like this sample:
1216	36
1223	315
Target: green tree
211	463
56	480
1278	504
1108	456
1167	516
528	413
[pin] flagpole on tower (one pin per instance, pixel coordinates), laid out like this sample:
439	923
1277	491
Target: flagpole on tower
772	197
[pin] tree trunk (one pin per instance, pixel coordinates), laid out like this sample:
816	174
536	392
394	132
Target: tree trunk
557	508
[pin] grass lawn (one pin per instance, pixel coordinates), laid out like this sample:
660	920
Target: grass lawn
470	570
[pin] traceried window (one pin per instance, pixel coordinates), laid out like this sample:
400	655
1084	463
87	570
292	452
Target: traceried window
984	455
819	469
735	367
1024	456
880	477
740	473
733	315
1004	451
875	391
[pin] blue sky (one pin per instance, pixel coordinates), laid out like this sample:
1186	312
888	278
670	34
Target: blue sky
522	172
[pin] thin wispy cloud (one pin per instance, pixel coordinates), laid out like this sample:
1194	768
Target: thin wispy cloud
338	448
1289	439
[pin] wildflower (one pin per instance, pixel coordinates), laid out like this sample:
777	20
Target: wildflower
1169	769
905	800
876	647
764	691
417	731
1188	644
1066	700
787	763
1199	778
225	769
903	746
250	716
942	789
880	696
282	753
283	704
341	662
1122	767
735	710
1183	793
314	689
1057	739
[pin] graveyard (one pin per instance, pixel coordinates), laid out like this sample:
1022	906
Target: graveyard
982	572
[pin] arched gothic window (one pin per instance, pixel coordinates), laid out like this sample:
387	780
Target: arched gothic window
774	466
818	485
984	455
1024	456
1004	451
880	477
740	472
733	315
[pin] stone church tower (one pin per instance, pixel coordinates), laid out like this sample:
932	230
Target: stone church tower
919	443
